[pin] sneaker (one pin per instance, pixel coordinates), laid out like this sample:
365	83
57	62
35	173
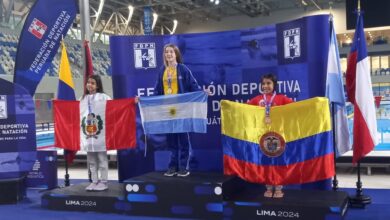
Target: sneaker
101	186
91	187
170	172
183	173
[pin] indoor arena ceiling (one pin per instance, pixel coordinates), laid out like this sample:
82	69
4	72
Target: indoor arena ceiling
184	11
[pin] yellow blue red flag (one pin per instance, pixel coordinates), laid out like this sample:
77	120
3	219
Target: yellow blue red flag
65	84
295	148
65	91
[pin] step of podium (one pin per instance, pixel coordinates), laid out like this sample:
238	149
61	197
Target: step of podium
196	196
12	190
247	201
76	198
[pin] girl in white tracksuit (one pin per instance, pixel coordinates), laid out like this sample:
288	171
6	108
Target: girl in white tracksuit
91	125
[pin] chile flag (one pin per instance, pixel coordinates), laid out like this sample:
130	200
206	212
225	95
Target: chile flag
360	93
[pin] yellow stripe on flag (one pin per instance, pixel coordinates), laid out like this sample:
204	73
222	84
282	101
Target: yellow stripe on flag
65	74
292	121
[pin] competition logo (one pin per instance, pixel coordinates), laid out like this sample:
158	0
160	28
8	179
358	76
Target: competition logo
3	107
92	125
292	45
37	28
144	55
37	165
272	144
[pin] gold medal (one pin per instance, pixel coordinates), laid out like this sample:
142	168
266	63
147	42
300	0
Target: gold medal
267	120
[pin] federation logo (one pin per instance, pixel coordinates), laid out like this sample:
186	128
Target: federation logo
3	107
37	28
272	144
292	43
144	55
92	125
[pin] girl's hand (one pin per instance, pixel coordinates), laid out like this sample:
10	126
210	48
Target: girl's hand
207	91
136	100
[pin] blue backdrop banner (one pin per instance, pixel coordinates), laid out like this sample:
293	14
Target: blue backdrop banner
17	131
46	24
230	65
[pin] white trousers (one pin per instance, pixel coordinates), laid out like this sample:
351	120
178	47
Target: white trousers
98	162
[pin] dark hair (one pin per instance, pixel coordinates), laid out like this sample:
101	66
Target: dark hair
272	77
99	84
177	53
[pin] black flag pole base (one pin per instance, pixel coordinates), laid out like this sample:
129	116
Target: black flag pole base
335	184
359	201
66	181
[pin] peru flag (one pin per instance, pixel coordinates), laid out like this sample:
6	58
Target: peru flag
360	93
110	127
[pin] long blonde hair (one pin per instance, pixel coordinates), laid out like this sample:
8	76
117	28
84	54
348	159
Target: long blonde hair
177	53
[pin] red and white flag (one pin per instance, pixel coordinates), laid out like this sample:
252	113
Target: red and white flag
88	64
111	126
360	94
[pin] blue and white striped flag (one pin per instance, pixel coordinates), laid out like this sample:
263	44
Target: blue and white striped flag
174	113
335	94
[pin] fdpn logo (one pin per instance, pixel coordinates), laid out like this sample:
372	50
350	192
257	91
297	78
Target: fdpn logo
37	28
144	55
292	43
3	107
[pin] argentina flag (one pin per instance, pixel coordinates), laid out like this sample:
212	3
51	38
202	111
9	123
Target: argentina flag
335	94
174	113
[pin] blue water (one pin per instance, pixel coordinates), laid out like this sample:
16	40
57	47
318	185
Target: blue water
45	139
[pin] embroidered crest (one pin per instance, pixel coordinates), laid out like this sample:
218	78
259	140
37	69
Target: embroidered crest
272	144
92	125
261	103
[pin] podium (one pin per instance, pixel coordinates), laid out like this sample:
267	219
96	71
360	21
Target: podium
199	196
12	190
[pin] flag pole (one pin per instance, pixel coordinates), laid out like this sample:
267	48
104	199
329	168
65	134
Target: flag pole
66	179
335	182
359	200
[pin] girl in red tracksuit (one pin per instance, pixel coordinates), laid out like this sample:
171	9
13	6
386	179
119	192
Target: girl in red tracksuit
268	99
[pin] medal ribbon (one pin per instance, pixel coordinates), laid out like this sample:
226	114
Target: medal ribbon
268	104
89	102
169	79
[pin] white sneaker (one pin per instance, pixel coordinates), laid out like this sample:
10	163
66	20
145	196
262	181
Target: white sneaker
101	186
91	187
183	173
